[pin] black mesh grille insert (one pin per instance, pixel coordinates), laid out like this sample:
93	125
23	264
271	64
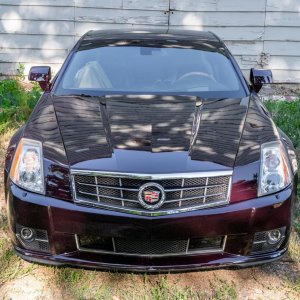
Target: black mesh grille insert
91	243
150	247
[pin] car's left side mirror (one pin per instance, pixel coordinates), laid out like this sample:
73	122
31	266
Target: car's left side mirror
258	77
42	75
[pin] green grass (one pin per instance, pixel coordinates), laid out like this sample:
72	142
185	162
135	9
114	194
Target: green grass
83	284
225	290
16	103
287	117
162	290
11	266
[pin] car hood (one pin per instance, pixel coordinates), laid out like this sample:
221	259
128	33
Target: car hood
150	133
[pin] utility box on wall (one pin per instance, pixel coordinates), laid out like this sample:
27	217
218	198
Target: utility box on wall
260	33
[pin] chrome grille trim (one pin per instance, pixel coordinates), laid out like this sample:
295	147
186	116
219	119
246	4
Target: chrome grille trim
111	197
105	189
130	200
153	176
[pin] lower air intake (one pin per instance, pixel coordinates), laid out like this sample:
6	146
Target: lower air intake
123	246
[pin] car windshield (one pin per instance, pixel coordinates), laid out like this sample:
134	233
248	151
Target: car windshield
134	69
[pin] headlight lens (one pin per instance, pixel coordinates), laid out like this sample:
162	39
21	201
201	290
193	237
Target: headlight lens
27	167
275	172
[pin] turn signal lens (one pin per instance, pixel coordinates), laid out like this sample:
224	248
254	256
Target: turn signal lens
275	172
27	167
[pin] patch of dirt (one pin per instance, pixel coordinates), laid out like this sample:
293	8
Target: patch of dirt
31	286
280	89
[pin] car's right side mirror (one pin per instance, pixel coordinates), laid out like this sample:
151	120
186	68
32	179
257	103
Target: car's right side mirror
258	77
42	75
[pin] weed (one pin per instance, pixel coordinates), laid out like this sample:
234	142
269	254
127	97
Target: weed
16	104
294	247
287	117
20	71
81	284
11	266
163	291
225	290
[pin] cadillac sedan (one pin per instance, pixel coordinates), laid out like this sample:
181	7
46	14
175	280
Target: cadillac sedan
149	151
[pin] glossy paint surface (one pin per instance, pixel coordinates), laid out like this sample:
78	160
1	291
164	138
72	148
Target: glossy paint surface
239	221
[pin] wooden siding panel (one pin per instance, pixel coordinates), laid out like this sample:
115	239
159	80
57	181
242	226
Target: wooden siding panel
284	62
283	19
247	61
245	47
125	4
218	5
191	5
238	5
33	56
282	34
217	18
146	4
121	16
37	27
283	5
282	48
39	2
42	32
30	41
27	12
99	4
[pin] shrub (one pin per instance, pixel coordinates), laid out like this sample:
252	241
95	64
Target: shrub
16	103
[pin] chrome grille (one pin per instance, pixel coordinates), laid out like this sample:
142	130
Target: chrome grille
120	191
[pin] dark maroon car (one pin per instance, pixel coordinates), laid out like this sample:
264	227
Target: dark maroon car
149	151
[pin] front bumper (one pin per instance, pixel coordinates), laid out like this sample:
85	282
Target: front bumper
63	220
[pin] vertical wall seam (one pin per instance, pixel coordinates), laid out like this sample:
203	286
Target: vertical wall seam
74	21
169	13
264	36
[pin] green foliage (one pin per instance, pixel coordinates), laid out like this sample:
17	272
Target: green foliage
225	290
20	71
11	266
163	291
16	104
287	117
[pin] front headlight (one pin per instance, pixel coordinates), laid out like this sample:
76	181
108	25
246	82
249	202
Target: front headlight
275	172
27	167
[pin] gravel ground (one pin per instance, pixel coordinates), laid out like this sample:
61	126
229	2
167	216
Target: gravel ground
281	92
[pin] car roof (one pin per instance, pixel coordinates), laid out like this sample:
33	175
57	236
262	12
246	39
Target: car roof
158	35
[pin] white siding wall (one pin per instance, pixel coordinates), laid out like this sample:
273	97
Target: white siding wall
263	33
